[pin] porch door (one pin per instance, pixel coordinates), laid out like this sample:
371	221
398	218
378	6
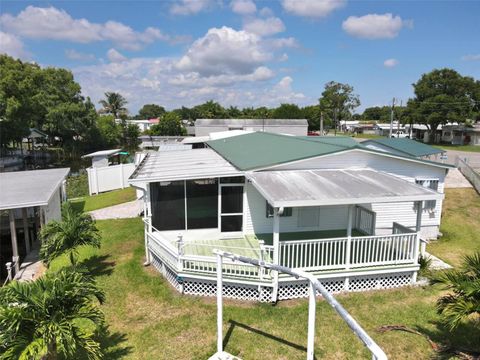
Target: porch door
231	208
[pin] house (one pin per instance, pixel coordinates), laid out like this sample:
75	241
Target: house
405	147
351	215
461	134
107	171
383	129
28	200
298	127
142	124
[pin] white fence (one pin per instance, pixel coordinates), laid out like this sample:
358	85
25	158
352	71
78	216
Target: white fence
365	220
470	173
339	254
108	178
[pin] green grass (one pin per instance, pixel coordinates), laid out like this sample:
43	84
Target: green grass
471	148
368	136
94	202
150	320
460	226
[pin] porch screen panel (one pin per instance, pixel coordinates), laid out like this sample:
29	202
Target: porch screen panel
168	205
202	204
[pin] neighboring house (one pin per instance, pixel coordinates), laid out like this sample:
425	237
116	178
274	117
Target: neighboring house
107	171
461	134
155	142
28	200
383	129
405	147
351	215
298	127
348	125
143	125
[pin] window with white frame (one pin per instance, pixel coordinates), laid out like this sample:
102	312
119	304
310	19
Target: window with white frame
430	184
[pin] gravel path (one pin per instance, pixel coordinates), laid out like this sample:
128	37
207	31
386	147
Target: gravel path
121	211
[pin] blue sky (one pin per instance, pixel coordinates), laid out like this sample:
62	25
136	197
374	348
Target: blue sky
244	52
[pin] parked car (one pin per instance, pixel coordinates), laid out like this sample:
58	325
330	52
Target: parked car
401	134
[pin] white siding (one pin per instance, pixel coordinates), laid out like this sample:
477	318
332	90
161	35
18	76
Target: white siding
387	213
255	220
53	209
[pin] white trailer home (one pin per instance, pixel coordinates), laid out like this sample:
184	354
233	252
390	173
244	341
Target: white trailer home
352	216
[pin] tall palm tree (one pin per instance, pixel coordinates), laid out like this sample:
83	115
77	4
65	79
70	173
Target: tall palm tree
114	103
464	301
55	315
75	229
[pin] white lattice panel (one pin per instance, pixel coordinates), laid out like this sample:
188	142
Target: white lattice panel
300	289
239	292
387	281
169	274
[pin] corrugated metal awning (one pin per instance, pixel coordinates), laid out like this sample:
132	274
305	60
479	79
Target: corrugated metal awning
336	187
182	165
19	189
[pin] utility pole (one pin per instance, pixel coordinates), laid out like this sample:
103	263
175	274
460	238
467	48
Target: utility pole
391	119
399	116
321	123
335	120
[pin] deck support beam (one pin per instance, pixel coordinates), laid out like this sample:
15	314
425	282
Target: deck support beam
349	243
26	233
13	235
219	304
276	251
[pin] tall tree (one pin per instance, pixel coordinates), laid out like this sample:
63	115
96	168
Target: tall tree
170	124
211	110
288	111
114	103
338	101
312	114
150	111
443	96
51	317
65	236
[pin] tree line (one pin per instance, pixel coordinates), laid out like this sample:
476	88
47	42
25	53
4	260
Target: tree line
50	100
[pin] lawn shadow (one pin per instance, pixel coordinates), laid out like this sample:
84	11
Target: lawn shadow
234	324
113	346
463	339
98	265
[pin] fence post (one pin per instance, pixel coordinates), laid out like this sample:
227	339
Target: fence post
219	304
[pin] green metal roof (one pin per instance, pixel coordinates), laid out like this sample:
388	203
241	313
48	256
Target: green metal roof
345	141
262	149
406	146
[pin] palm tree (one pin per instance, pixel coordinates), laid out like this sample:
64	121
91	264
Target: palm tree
114	104
75	229
464	302
55	315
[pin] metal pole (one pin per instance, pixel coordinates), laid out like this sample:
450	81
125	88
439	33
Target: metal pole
311	322
276	251
391	119
13	235
321	123
26	234
219	305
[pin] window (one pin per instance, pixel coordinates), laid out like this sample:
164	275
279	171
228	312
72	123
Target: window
430	184
232	180
269	211
168	205
202	204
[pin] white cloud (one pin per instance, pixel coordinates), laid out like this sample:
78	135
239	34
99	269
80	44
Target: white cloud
13	46
190	7
390	63
224	51
471	57
375	26
243	7
114	56
312	8
264	27
56	24
283	57
73	54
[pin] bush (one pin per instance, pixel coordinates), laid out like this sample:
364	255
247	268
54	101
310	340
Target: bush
77	186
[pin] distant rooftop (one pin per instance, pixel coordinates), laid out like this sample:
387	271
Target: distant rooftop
251	122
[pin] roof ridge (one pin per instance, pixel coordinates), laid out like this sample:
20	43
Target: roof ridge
300	138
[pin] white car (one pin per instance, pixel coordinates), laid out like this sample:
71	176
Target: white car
400	134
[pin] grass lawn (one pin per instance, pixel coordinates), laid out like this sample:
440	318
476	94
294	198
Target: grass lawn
149	320
460	226
368	136
472	148
94	202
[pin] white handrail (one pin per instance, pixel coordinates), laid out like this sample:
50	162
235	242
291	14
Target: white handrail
315	285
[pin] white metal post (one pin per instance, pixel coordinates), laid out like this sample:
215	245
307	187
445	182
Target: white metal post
276	251
13	235
219	305
26	233
147	214
312	305
349	244
121	177
418	228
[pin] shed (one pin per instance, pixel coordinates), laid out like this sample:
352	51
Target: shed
100	158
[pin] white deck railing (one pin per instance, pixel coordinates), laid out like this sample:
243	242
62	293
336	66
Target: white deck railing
365	251
365	220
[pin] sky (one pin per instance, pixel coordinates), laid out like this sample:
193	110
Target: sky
244	53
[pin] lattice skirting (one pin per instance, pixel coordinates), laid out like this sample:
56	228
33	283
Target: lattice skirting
286	290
